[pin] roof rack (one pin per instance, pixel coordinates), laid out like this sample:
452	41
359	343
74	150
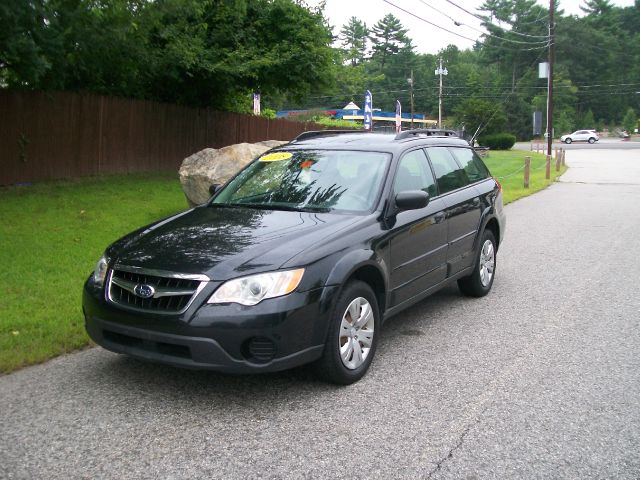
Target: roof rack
323	133
432	132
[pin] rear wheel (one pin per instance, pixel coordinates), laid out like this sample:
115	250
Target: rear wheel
351	341
479	283
592	140
567	140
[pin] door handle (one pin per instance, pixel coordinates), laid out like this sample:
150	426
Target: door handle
439	217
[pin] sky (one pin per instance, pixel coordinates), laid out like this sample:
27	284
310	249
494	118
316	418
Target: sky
427	38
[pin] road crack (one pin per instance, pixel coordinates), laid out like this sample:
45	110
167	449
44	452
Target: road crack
457	446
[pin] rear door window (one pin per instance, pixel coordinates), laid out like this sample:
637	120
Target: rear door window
472	165
449	175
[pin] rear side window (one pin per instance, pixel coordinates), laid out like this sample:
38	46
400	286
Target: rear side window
471	163
449	175
414	174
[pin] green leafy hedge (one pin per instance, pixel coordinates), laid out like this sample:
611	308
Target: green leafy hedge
498	141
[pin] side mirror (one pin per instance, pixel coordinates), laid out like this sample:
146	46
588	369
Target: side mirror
213	189
411	200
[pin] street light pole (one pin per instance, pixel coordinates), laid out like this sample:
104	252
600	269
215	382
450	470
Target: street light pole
440	71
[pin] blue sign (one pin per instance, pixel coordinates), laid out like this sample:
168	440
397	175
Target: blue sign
368	111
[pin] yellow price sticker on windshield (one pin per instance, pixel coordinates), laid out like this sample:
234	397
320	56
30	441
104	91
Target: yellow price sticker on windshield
276	157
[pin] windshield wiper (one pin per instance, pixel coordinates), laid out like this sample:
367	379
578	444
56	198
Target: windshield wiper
275	206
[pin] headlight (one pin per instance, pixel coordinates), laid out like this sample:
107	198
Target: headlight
255	288
100	272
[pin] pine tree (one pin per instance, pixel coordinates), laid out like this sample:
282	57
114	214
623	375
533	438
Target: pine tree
388	37
354	40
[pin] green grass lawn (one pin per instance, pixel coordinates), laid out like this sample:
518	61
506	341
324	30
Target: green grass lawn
508	168
52	234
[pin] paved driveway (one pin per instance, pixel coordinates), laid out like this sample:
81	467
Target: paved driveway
541	379
605	143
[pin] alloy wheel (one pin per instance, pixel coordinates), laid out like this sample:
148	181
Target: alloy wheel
487	262
356	333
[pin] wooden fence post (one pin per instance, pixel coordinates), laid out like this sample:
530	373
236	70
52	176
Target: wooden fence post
527	169
547	170
558	155
563	157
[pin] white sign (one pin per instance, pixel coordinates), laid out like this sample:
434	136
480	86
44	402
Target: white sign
543	70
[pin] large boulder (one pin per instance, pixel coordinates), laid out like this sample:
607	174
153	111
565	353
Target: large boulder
209	166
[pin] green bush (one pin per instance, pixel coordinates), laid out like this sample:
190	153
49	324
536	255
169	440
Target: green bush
498	141
268	113
332	122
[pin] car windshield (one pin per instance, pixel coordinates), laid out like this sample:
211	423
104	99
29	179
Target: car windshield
308	180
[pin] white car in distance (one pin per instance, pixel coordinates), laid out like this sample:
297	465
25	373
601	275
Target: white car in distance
590	136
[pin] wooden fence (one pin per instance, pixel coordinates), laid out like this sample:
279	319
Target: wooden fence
49	135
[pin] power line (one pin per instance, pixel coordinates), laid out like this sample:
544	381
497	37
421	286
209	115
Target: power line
455	22
483	19
544	43
606	88
430	23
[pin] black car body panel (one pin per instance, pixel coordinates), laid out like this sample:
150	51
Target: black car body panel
403	255
226	242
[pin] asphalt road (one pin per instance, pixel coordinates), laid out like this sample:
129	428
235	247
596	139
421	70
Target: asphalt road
540	379
604	143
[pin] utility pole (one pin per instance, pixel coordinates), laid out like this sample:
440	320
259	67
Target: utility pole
441	71
552	57
410	80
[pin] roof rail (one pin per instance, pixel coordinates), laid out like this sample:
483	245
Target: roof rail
433	132
323	133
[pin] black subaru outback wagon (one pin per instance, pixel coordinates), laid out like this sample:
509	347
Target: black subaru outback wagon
302	255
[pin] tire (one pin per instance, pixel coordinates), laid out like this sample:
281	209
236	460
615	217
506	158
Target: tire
479	283
349	350
592	140
567	141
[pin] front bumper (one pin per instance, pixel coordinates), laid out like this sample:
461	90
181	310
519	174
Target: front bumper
274	335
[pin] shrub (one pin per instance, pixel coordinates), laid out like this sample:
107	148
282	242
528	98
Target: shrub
332	122
498	141
268	113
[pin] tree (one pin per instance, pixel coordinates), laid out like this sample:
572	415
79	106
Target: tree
388	37
354	40
23	37
216	52
588	120
516	46
630	121
476	113
596	7
194	52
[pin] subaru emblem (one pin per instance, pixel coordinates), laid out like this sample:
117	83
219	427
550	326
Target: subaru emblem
143	290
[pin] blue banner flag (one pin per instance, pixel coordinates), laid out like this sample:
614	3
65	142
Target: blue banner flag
368	111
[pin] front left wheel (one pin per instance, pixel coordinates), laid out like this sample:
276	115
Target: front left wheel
352	337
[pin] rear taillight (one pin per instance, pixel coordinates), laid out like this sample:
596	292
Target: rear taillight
497	183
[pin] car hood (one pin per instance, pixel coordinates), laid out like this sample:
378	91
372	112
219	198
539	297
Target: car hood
223	243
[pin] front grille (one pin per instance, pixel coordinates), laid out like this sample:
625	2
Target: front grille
169	292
